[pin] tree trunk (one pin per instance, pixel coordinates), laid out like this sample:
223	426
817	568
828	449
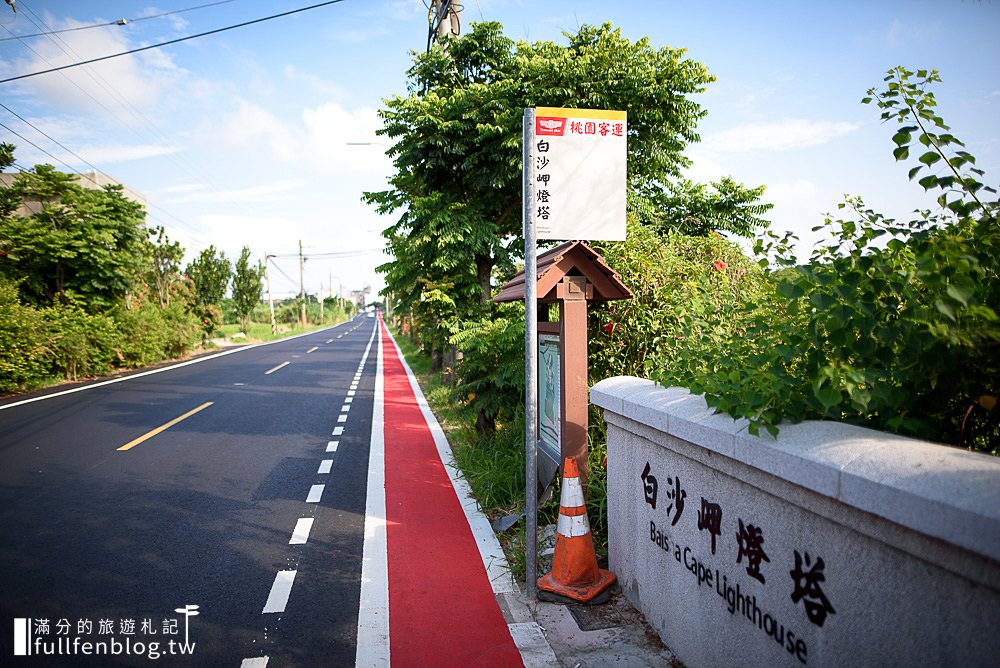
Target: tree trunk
484	273
486	424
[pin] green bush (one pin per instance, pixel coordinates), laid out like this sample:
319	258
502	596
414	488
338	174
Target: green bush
23	361
891	325
491	371
151	334
689	295
81	344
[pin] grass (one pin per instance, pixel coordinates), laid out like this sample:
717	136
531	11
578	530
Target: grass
261	331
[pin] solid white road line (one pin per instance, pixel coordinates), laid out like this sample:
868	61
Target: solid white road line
325	466
331	446
300	534
282	587
141	374
315	494
373	612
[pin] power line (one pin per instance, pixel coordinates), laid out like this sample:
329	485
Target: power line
192	230
280	271
333	255
169	42
117	22
184	164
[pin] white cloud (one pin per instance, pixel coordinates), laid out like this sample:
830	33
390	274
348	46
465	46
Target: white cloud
124	153
319	141
317	83
257	232
790	134
900	34
183	188
137	80
266	192
252	124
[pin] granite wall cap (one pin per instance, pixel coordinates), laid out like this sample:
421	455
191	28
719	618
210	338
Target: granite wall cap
938	490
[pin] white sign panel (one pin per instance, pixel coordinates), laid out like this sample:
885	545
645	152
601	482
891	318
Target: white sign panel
579	173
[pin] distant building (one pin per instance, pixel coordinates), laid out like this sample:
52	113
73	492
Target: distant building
92	180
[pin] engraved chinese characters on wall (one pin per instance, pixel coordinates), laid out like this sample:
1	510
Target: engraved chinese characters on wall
743	542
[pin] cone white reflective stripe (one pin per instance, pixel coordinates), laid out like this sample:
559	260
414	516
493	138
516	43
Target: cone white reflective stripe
574	526
571	495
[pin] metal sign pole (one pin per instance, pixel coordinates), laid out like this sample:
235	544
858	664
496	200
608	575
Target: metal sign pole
530	362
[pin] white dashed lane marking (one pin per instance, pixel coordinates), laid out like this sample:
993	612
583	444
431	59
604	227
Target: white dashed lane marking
282	587
315	494
331	446
325	466
300	534
337	431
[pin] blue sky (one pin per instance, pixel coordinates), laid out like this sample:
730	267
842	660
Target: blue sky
241	138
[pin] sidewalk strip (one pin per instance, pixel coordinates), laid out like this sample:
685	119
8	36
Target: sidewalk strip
280	590
150	434
489	546
426	524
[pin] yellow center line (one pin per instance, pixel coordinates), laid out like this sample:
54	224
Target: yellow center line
151	434
283	364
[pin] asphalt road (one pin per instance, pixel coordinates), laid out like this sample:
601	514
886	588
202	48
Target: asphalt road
201	513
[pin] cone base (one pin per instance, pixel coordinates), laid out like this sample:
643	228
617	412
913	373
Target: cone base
556	592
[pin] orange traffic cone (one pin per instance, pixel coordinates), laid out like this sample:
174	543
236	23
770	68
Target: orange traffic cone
575	577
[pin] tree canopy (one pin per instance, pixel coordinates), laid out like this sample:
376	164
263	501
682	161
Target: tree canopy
247	287
457	150
210	272
80	242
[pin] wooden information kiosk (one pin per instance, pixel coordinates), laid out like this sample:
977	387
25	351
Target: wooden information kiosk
572	274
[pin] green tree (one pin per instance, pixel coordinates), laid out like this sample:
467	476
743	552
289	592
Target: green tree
210	272
699	209
9	200
457	150
82	242
247	287
164	263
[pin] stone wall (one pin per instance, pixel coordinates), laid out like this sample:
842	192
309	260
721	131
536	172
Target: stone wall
831	545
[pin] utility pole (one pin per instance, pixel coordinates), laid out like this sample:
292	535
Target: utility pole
443	18
270	301
302	283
